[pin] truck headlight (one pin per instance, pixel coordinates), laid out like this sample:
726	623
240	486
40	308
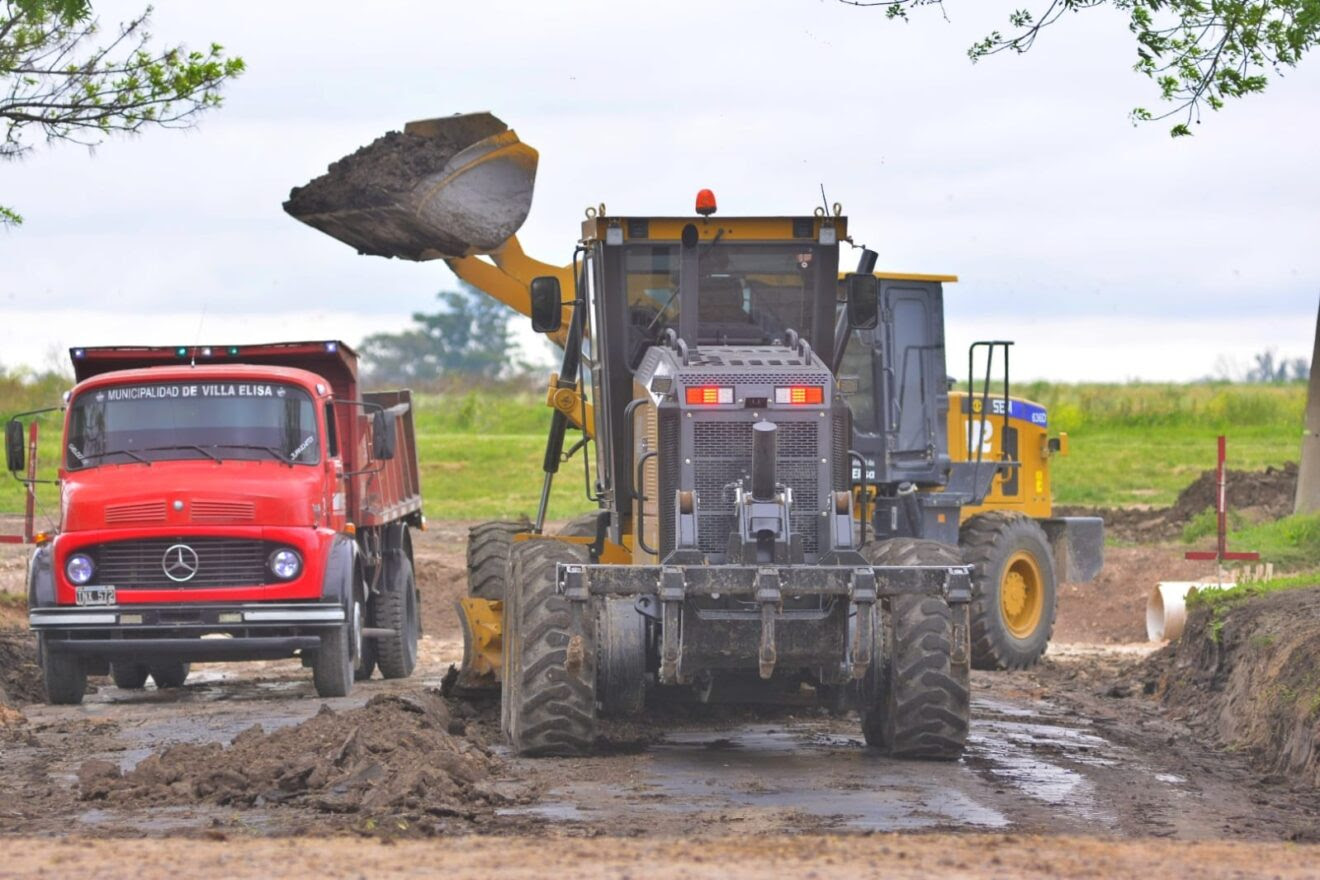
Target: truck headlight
79	568
285	564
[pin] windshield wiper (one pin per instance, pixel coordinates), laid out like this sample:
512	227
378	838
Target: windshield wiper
130	453
193	446
275	453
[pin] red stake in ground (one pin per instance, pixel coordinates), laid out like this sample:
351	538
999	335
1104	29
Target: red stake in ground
1221	553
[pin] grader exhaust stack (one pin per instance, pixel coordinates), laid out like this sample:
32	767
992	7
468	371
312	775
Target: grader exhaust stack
441	188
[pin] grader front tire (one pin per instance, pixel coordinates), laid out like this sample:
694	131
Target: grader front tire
916	697
1014	590
549	694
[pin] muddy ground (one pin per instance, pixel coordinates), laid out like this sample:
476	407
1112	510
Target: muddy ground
1089	743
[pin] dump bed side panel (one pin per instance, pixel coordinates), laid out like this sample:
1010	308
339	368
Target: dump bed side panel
388	490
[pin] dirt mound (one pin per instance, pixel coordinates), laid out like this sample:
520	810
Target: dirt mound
402	757
20	676
374	175
1257	496
1248	676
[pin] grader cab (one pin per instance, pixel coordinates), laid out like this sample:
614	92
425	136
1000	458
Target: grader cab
754	538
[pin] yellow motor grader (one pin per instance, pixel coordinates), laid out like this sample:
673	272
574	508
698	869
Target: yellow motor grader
791	498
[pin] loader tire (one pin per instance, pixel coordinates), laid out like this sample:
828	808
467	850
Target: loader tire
1014	590
549	694
916	697
64	676
396	608
129	676
171	674
488	557
583	526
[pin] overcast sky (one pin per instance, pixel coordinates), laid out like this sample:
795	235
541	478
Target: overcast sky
1107	252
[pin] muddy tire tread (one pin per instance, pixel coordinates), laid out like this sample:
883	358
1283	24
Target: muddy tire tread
129	676
924	696
397	608
488	557
550	711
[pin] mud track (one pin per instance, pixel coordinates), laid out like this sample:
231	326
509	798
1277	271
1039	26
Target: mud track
1079	746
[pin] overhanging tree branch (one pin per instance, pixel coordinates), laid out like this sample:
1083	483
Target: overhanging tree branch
1198	52
56	84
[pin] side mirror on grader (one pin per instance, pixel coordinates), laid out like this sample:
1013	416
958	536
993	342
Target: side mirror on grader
547	304
15	446
863	301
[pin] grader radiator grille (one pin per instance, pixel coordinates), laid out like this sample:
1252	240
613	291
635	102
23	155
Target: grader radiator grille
722	457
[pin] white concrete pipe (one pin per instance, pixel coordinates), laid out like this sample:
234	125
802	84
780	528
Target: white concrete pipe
1166	609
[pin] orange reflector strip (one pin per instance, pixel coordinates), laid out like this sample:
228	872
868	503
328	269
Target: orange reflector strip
708	395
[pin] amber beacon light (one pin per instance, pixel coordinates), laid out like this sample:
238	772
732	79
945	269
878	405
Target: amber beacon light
705	203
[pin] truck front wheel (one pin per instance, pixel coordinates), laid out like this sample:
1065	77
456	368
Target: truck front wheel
65	676
332	670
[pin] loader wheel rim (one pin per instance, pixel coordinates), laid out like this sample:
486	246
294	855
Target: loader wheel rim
1021	596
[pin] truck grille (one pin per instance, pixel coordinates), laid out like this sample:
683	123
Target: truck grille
221	562
723	457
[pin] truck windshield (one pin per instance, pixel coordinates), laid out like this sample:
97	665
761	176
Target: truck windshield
213	420
746	293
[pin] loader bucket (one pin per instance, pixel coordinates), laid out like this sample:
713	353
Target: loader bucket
446	187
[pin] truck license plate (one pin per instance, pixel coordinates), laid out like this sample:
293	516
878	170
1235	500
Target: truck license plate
94	595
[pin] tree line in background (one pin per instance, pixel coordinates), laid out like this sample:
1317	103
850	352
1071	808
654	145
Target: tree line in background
469	338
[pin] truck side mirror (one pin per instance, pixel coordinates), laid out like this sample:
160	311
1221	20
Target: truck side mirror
383	436
15	448
547	304
863	301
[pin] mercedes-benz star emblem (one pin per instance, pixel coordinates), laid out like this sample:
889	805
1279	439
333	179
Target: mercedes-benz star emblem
180	563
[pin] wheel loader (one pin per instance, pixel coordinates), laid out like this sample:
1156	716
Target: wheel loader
779	482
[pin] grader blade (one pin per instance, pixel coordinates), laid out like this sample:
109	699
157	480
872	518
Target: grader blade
447	187
481	622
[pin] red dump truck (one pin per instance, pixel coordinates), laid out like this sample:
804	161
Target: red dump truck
225	503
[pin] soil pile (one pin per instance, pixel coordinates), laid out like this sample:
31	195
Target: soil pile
1257	496
405	757
375	175
1248	675
20	676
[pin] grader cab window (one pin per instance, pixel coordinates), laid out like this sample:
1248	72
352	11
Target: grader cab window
746	294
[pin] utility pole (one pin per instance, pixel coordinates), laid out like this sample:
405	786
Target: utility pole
1308	473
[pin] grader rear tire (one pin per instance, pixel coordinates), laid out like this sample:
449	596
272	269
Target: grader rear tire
488	557
915	699
583	526
1014	591
549	694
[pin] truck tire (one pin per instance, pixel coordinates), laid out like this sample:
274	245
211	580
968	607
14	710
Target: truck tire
583	526
64	676
332	670
488	557
916	697
549	692
129	676
1014	591
170	675
395	607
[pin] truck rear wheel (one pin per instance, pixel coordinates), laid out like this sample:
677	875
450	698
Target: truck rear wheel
549	694
129	676
170	675
916	696
488	557
332	670
396	608
1014	591
64	676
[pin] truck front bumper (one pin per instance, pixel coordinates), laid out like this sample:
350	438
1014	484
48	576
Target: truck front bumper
200	633
755	627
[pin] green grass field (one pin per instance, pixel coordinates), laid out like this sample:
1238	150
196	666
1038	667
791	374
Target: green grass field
1129	444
